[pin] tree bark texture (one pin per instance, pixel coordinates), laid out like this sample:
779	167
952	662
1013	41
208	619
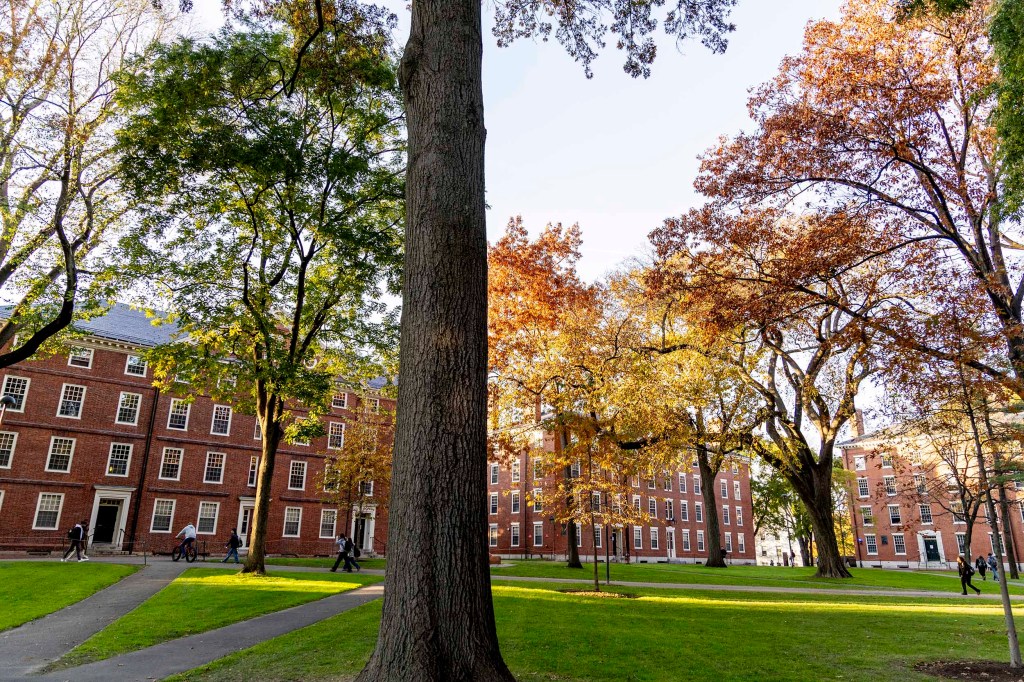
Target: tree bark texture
257	554
714	530
572	551
438	619
831	563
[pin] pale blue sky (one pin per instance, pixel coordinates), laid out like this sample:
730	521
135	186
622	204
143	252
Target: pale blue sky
614	154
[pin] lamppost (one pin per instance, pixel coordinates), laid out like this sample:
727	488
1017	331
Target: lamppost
5	402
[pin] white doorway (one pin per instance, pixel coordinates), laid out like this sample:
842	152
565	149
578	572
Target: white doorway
245	509
670	542
363	526
109	516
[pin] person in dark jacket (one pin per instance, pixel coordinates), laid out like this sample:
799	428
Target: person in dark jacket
77	537
993	566
981	566
965	570
233	544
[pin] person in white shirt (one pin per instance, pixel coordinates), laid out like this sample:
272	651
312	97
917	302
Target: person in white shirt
189	532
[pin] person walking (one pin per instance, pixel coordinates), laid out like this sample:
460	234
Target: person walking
77	537
993	566
234	542
965	570
981	566
351	553
342	553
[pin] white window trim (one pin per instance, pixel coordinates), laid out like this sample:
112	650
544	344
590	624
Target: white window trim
223	466
514	538
515	504
870	515
24	398
1	500
253	460
492	535
726	515
867	545
128	464
284	526
866	485
736	494
71	456
344	401
120	400
904	538
932	515
170	412
330	425
152	518
216	517
213	420
494	474
701	546
538	538
81	406
305	470
60	510
334	525
14	449
92	356
128	363
163	456
492	505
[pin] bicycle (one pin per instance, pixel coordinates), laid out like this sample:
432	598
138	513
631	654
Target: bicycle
190	553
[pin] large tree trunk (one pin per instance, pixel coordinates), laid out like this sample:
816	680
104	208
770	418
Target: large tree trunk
820	510
438	619
804	543
707	489
1008	544
271	432
572	551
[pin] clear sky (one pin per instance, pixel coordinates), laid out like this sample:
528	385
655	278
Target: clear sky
614	154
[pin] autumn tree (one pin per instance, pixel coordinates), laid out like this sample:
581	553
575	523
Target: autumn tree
61	201
271	225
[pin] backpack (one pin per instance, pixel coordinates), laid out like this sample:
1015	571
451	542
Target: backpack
355	551
71	533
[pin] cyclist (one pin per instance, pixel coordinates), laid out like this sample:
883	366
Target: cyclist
189	532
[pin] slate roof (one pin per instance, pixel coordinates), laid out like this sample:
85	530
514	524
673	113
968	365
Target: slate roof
128	325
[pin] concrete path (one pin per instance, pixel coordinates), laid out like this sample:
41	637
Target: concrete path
31	646
180	655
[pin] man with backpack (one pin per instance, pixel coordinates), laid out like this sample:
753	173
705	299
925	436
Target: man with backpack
233	544
345	549
77	537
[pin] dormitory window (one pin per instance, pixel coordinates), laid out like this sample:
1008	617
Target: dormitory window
741	543
514	535
894	514
328	521
48	511
728	542
297	476
926	513
17	388
724	488
366	488
292	521
682	483
696	484
336	436
515	471
339	401
868	517
493	508
494	474
135	366
700	541
698	512
887	461
214	467
61	452
207	522
684	510
515	502
80	357
654	538
8	440
872	544
120	457
862	487
253	467
890	485
638	537
686	541
163	515
71	400
170	466
492	535
538	534
736	490
178	417
898	543
128	408
221	425
739	516
725	514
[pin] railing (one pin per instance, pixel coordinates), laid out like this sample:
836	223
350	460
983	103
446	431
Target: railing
34	543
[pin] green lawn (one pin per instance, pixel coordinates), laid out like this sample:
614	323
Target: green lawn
35	588
766	576
667	635
202	599
322	562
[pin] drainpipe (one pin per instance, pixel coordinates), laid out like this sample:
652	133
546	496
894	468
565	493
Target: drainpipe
142	470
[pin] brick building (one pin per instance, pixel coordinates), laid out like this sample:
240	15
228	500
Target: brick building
673	500
90	438
904	513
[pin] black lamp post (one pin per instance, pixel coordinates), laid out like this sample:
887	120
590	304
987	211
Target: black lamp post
5	402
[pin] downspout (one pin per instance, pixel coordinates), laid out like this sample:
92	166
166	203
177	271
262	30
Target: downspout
142	471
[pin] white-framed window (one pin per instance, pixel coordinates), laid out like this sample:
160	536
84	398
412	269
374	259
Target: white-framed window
299	440
80	357
700	541
598	536
926	513
170	464
723	487
579	535
119	459
206	524
254	463
375	404
538	504
221	423
135	366
292	522
655	538
920	484
128	409
698	512
696	484
682	483
860	463
492	535
257	434
652	507
1	500
961	543
214	472
739	516
538	470
736	491
163	516
366	488
177	417
331	478
636	502
899	544
328	522
684	510
895	517
890	485
686	540
735	468
725	515
494	474
862	487
297	476
728	542
957	509
872	544
339	401
638	537
17	388
670	510
8	443
513	534
493	505
887	461
336	435
574	469
867	516
48	506
635	481
62	450
515	501
72	397
741	543
538	534
666	482
515	471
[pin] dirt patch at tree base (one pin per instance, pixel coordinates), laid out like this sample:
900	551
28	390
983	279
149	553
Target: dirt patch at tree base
603	595
989	671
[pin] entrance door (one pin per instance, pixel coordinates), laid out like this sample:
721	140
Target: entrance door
359	536
670	542
931	549
616	541
245	525
106	521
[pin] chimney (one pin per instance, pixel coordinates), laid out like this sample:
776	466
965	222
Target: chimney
858	422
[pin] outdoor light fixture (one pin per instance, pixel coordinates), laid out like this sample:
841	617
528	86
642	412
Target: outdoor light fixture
5	402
